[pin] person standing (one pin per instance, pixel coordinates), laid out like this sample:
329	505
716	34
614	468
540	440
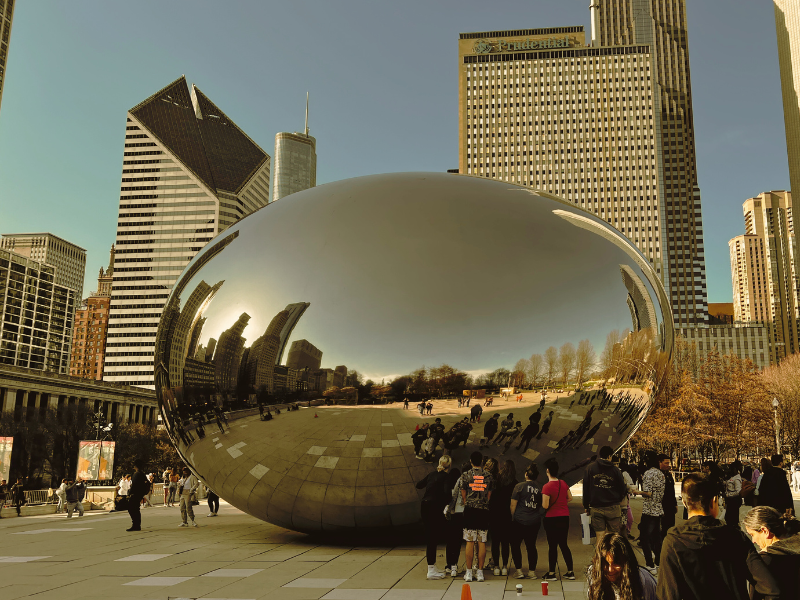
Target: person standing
476	492
774	490
405	403
603	491
455	523
139	487
188	487
652	511
703	558
418	437
778	540
796	475
18	495
490	429
733	494
527	513
173	486
213	502
500	516
668	501
436	498
61	494
74	491
555	499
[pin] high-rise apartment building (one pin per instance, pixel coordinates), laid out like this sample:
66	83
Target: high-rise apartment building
68	259
764	271
787	27
295	162
539	108
87	353
36	314
7	15
662	26
188	173
304	355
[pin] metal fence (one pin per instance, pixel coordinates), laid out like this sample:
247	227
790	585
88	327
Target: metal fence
49	496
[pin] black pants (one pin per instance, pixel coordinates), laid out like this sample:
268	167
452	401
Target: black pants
667	522
650	530
500	532
134	512
213	502
433	518
455	535
557	529
732	506
528	534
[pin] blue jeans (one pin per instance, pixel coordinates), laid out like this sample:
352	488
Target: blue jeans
650	530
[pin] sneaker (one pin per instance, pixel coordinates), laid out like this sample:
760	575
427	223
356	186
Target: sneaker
519	574
550	576
496	571
183	525
433	573
532	575
194	524
468	575
480	575
454	571
569	575
490	564
503	571
211	514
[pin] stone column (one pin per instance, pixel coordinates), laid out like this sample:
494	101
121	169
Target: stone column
10	401
52	401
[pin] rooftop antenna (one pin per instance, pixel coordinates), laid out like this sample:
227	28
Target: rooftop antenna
306	114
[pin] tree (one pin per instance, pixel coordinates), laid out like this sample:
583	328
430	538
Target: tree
551	363
607	356
536	367
566	361
584	360
782	381
520	372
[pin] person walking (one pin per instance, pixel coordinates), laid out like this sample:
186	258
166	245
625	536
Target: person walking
774	490
669	503
778	540
476	492
74	492
545	426
733	494
527	513
490	429
147	499
188	486
18	495
703	558
505	426
621	577
652	511
555	499
139	487
436	498
603	490
418	437
500	517
213	502
527	435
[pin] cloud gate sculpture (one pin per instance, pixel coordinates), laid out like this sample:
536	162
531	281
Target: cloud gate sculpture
431	286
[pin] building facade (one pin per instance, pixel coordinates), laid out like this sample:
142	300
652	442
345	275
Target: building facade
68	259
303	354
787	28
7	13
188	173
36	315
91	326
747	341
764	271
295	164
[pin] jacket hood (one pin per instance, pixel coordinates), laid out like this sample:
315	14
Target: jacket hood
700	532
604	462
790	545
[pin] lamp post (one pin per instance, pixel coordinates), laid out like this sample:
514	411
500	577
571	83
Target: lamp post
777	431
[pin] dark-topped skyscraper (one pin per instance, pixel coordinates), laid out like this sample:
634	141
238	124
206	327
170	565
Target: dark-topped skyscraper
188	173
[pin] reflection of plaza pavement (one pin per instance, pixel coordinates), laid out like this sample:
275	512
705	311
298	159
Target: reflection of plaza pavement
354	466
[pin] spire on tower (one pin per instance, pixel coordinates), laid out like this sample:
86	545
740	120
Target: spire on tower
306	113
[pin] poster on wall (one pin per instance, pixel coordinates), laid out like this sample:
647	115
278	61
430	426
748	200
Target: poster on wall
95	460
5	456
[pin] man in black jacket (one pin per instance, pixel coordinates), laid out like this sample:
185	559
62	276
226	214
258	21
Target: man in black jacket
139	487
668	502
603	490
774	489
490	429
703	558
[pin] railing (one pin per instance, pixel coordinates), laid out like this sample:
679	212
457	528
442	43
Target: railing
49	496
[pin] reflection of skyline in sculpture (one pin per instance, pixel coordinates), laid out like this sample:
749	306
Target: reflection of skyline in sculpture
295	311
304	355
229	354
643	313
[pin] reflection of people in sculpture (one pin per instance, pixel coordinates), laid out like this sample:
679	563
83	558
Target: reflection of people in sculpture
490	429
418	437
545	425
512	435
475	413
505	426
528	434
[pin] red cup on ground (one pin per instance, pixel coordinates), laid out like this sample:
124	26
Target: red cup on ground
545	589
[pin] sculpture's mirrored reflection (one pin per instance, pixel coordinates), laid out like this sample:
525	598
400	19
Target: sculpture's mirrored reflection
373	279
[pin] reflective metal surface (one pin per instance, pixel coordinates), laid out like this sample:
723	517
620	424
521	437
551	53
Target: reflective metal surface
384	275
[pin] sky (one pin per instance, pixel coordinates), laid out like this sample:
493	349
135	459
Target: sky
382	78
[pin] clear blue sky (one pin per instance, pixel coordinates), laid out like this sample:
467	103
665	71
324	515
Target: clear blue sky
384	96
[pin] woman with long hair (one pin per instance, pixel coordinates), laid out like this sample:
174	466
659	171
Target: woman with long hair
500	516
778	540
615	573
555	498
733	491
437	496
455	522
526	515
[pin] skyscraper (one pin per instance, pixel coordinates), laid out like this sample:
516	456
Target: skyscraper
7	14
661	24
68	259
188	173
295	162
764	271
787	26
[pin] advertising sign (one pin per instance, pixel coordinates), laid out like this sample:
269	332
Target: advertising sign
95	460
5	456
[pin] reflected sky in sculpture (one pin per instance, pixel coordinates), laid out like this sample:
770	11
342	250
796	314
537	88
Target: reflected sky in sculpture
384	274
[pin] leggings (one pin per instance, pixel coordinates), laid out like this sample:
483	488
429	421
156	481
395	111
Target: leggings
499	533
455	535
172	491
556	529
213	502
433	518
528	534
